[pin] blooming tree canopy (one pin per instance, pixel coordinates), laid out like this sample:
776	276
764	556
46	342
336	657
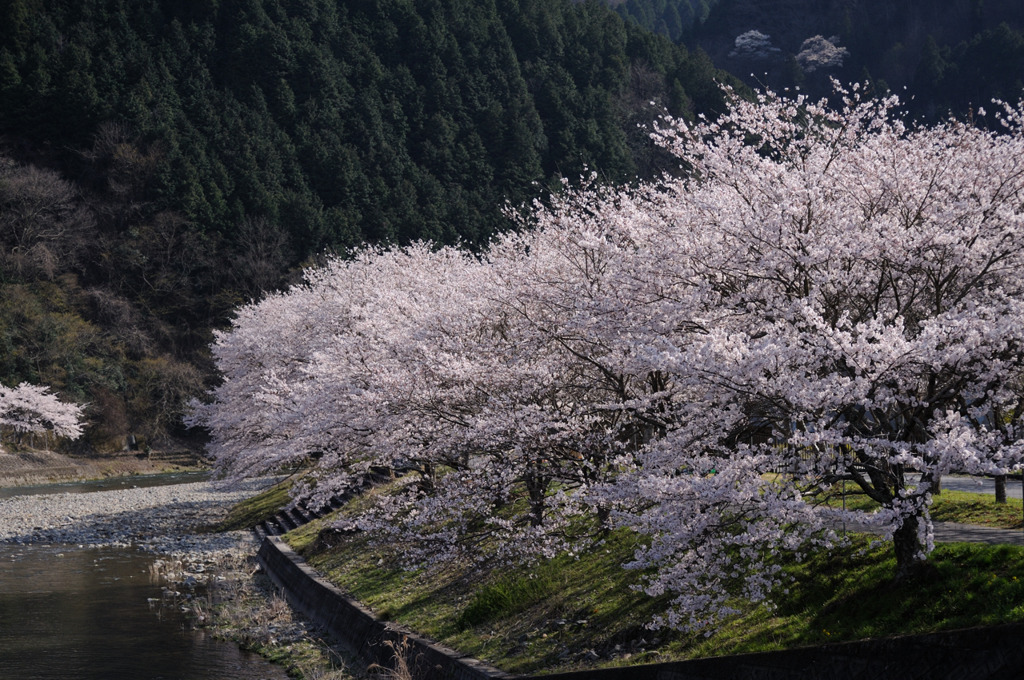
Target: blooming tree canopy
31	409
824	299
861	321
754	44
819	53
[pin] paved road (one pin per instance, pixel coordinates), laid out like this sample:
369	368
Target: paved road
980	485
949	532
953	532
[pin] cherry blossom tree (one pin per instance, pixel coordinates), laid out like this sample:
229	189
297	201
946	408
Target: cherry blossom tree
277	406
863	323
440	374
251	414
754	45
437	362
32	409
827	298
818	53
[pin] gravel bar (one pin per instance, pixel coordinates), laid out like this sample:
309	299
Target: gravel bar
167	520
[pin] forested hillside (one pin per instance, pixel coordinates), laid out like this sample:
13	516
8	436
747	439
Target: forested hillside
671	18
950	55
163	161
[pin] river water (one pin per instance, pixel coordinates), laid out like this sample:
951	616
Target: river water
69	613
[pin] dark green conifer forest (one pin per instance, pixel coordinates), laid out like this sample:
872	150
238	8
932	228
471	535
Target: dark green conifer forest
162	161
674	19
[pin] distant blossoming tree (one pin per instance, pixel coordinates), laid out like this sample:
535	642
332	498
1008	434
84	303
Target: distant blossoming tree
754	44
31	409
819	53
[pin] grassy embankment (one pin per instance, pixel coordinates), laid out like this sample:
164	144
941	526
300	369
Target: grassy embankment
975	508
243	605
260	507
24	466
582	611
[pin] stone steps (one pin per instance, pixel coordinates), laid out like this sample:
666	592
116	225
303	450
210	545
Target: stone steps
180	458
298	515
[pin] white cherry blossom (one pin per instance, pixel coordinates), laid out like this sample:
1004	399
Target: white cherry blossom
824	299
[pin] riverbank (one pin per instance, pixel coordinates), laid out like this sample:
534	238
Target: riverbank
212	576
583	611
21	468
242	605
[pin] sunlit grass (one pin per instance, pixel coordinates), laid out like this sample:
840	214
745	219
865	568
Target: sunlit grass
521	619
978	508
581	611
251	511
956	506
850	595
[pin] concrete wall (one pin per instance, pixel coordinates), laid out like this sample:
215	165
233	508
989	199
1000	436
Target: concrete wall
355	628
995	653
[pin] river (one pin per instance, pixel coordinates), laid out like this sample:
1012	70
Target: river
70	613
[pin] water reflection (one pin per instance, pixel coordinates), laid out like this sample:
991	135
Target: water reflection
70	614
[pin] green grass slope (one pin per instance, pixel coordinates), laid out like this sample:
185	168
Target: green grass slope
585	611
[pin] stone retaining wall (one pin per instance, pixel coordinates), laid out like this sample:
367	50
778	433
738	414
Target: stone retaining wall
356	629
995	653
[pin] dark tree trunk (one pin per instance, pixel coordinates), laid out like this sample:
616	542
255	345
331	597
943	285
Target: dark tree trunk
426	480
909	552
536	486
1001	489
934	481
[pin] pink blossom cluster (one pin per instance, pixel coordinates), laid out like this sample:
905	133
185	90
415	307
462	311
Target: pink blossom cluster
32	409
825	300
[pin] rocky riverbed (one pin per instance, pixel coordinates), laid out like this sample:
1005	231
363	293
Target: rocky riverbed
168	520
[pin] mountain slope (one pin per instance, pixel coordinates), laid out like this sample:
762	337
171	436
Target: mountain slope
950	55
382	120
163	161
